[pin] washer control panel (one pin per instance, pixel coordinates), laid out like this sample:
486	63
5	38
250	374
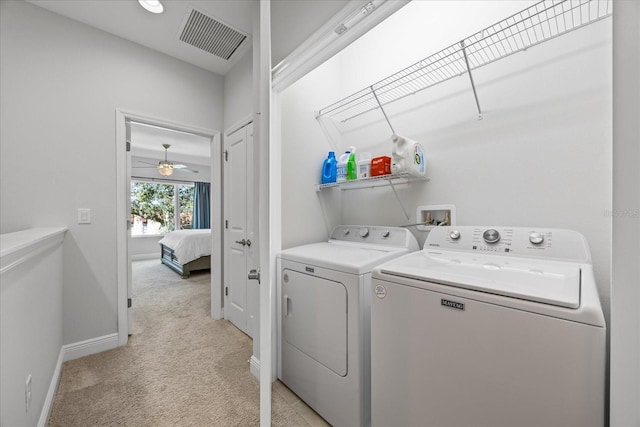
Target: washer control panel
516	241
376	235
491	236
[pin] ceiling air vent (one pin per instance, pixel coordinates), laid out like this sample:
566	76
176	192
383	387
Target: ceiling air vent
211	35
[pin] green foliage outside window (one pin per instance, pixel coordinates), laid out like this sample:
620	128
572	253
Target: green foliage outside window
155	203
185	192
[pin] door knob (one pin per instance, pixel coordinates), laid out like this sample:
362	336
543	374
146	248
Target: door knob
242	242
254	275
248	242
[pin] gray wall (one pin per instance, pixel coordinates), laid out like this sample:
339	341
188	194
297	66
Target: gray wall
61	82
238	91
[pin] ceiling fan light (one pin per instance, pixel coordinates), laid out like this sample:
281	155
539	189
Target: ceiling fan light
165	170
153	6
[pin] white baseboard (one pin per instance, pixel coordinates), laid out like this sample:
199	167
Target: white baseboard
51	393
71	352
90	346
254	367
141	257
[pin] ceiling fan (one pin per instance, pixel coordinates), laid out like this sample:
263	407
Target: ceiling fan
165	167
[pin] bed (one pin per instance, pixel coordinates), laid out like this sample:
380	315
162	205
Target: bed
185	251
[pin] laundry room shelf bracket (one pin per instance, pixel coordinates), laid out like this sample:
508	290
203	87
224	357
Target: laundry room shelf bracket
534	25
384	113
393	187
473	85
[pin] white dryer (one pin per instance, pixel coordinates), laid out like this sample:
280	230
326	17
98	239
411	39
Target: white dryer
323	313
489	326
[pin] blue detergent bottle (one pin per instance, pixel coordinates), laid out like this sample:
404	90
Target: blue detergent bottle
330	169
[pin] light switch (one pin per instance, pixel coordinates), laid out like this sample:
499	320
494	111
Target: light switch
84	216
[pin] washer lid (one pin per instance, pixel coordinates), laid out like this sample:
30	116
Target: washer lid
547	282
343	256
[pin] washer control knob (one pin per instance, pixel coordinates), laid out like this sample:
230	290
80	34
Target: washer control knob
346	231
491	236
364	232
385	233
454	234
536	238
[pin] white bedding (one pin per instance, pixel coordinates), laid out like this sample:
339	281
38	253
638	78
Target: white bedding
188	244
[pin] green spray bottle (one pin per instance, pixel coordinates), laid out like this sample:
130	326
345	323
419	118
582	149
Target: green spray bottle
352	166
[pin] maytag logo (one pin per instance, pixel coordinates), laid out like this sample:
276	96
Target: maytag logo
452	304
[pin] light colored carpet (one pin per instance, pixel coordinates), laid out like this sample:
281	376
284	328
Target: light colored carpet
180	367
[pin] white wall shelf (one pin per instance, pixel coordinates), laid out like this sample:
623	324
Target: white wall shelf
376	181
541	22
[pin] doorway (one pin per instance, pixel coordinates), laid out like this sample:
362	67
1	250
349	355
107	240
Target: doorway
166	167
123	179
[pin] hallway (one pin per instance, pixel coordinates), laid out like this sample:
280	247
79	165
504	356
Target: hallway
180	367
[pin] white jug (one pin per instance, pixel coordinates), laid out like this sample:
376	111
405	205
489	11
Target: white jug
408	156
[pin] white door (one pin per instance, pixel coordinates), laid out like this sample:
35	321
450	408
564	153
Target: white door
314	321
129	225
241	248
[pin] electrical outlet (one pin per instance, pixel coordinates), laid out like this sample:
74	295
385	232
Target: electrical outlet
84	216
27	393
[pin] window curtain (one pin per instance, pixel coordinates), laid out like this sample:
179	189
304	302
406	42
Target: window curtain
201	205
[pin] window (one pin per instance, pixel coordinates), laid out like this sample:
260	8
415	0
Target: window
158	208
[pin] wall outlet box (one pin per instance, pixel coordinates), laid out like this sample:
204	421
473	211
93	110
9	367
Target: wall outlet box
430	216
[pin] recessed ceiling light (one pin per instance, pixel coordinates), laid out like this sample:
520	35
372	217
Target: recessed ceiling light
153	6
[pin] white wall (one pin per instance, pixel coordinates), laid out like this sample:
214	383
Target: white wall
61	82
419	29
625	293
540	157
30	322
308	216
238	91
145	247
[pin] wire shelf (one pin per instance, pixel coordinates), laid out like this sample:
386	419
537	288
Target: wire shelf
376	181
541	22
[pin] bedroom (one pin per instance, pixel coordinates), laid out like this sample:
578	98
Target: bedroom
170	195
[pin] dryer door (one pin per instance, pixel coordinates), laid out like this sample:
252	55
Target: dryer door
314	318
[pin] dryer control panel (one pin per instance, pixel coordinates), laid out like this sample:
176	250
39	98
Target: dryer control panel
375	235
517	241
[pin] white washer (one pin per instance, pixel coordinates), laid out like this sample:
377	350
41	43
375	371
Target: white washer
489	326
323	308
